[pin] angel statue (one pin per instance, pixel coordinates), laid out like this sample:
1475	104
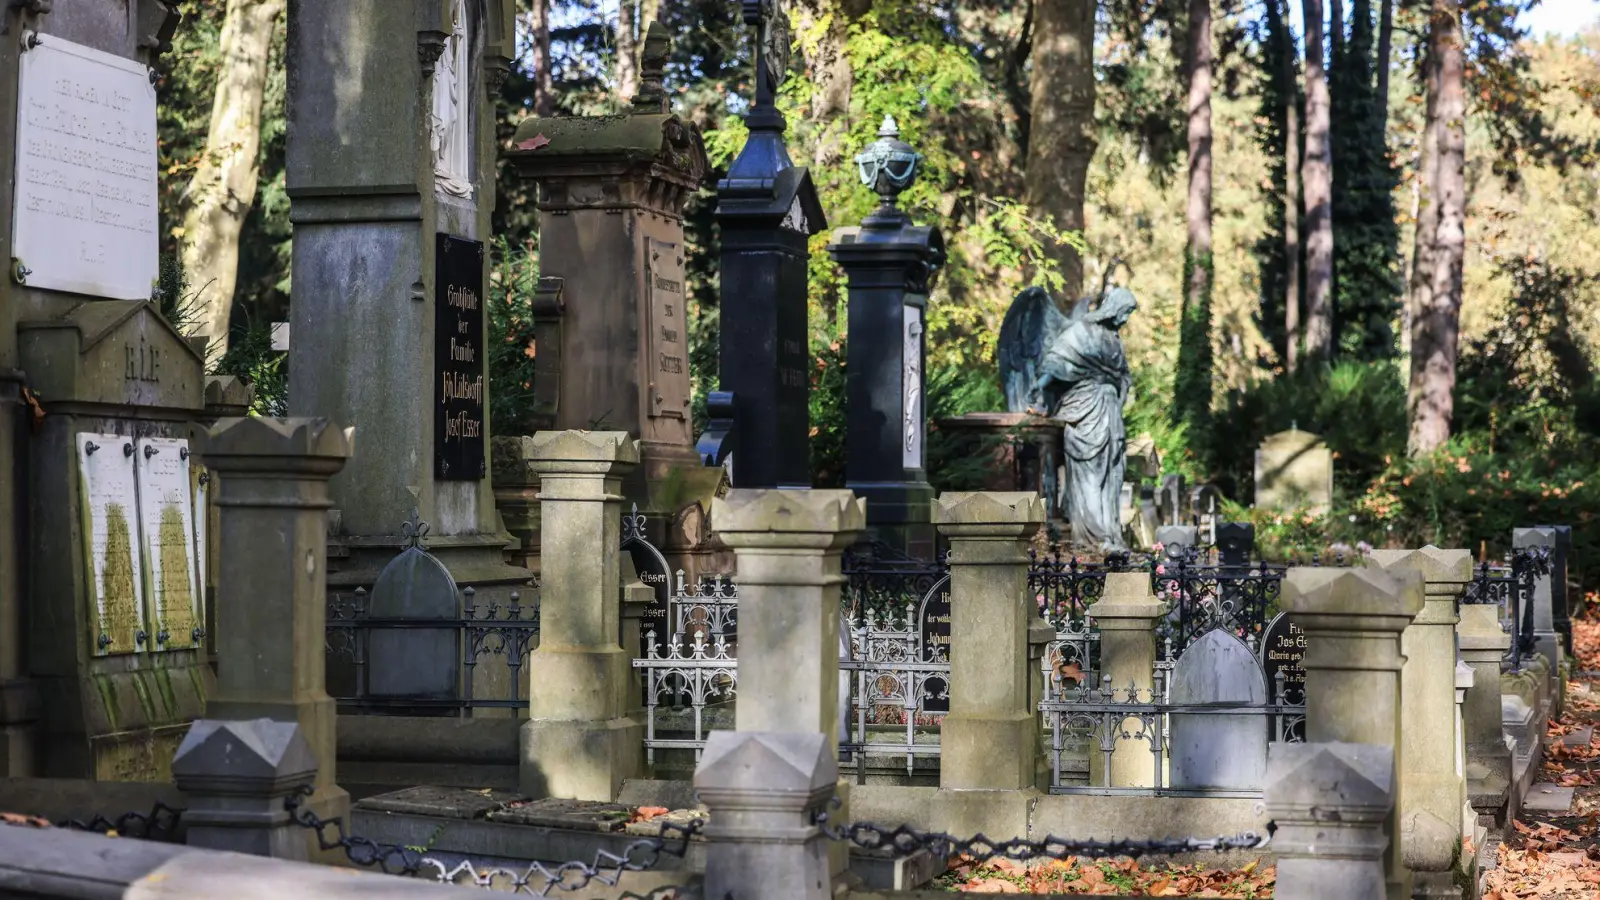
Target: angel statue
1070	367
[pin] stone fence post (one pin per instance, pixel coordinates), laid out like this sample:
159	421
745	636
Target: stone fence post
1431	788
1353	620
272	582
579	742
1127	613
990	738
1330	802
788	545
1483	646
762	790
236	777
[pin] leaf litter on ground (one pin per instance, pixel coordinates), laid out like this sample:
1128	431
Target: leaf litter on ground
1108	878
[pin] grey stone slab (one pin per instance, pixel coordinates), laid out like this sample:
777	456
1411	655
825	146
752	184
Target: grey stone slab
637	792
1549	798
477	838
446	803
1579	738
551	812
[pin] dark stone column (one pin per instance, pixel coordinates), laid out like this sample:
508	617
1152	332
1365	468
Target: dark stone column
767	208
890	264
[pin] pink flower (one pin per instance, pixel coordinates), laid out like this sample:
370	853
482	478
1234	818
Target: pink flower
1161	570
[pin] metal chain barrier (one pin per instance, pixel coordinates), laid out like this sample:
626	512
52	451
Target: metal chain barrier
159	824
904	840
537	879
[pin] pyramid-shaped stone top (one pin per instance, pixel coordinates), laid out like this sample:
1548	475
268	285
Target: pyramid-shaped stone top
584	446
793	511
1434	564
1352	592
255	749
766	761
263	436
988	508
1331	775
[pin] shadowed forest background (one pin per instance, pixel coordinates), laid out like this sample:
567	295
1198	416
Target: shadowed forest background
1059	150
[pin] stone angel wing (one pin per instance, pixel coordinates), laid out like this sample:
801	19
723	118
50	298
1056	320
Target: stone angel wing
1030	325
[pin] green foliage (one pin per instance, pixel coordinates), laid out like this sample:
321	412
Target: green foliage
251	359
509	306
828	425
1191	389
955	463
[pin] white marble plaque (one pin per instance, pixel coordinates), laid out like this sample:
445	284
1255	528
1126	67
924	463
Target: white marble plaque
85	213
166	519
109	500
911	389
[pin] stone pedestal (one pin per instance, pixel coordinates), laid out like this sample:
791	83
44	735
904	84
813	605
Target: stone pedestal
787	544
1488	759
391	267
1330	802
1431	787
763	790
271	592
236	777
1025	452
579	742
1353	620
1127	614
990	738
889	264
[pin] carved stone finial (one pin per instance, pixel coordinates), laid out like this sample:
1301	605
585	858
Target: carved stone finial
652	96
888	166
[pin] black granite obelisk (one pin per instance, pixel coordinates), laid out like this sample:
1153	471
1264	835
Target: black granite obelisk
767	208
890	264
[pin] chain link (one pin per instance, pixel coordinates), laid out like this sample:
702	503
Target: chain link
537	879
904	840
159	824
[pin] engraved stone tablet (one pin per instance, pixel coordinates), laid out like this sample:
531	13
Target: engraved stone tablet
84	218
669	339
109	504
166	518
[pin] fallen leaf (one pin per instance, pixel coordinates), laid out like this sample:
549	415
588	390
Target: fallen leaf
533	143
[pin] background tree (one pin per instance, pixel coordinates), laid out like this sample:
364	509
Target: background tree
1436	274
1316	178
1192	392
1061	128
1278	248
223	188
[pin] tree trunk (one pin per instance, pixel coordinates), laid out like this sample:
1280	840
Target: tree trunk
1441	238
627	54
1061	137
1291	203
1385	47
824	28
1335	34
223	189
544	85
1316	175
1192	392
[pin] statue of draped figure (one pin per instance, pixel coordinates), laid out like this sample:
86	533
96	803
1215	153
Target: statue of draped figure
1072	368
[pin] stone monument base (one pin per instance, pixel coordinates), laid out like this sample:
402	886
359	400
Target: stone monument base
1025	451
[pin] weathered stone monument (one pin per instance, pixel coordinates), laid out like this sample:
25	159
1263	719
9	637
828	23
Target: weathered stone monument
1226	752
890	264
389	270
101	665
1294	470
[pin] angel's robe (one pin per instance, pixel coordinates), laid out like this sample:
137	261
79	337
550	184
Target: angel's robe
1090	371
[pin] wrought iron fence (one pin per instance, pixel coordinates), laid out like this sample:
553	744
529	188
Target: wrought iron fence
1239	599
896	674
1510	588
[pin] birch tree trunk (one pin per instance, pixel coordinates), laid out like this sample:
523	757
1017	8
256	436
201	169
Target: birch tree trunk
1061	138
1316	175
223	188
1435	301
544	85
1291	203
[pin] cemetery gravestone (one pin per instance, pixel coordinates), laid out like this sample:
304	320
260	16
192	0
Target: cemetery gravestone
1294	471
389	269
1235	541
1283	649
417	663
1226	752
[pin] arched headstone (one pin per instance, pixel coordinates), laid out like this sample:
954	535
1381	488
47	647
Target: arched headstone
415	662
1224	751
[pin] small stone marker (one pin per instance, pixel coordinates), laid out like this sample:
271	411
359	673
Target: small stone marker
1294	470
1218	751
415	662
1548	798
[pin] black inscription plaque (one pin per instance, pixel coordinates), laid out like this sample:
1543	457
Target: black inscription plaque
458	432
934	623
1283	649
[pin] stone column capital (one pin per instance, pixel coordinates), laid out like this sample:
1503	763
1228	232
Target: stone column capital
1127	603
312	448
1480	631
995	514
1353	600
793	520
1331	802
1445	574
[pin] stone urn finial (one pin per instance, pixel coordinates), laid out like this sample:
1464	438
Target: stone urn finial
888	166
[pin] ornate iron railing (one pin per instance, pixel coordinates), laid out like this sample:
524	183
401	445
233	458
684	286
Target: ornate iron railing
1239	599
1510	588
896	670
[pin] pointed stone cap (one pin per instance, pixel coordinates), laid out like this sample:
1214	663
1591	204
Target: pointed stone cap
1480	629
746	511
1127	595
558	453
1448	566
265	755
260	436
988	508
765	762
228	391
1327	590
1536	536
1330	782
